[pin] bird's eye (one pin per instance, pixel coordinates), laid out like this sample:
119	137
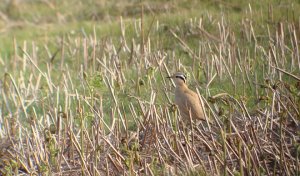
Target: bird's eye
181	77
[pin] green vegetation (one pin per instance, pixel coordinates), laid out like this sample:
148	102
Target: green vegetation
83	87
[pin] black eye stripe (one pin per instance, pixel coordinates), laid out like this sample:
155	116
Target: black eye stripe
181	77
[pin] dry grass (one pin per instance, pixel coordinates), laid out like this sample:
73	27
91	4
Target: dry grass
99	107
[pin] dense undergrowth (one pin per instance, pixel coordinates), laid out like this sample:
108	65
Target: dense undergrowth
84	89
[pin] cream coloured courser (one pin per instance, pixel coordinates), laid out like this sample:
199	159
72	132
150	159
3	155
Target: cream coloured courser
187	101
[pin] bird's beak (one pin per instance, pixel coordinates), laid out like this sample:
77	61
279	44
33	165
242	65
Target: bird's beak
169	77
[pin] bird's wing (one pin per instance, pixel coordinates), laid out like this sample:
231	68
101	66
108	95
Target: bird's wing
193	103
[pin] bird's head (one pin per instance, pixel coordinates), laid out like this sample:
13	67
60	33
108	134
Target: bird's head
179	78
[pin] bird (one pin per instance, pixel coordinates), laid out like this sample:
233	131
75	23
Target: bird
187	101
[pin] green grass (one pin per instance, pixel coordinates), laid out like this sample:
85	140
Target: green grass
43	28
113	79
46	31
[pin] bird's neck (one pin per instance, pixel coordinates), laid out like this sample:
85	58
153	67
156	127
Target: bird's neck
181	86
